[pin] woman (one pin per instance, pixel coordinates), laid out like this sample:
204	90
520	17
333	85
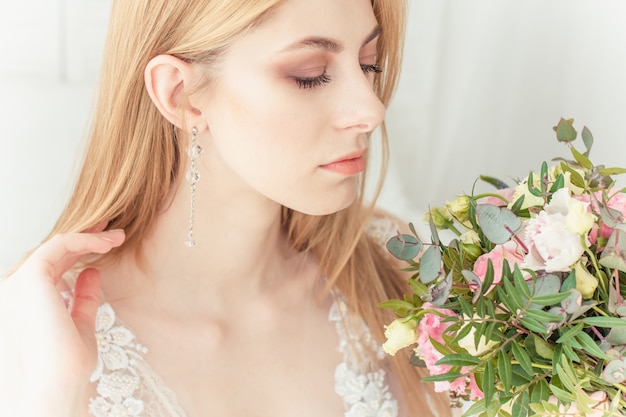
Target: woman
216	222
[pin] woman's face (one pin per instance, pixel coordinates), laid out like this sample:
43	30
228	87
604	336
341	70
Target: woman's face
290	106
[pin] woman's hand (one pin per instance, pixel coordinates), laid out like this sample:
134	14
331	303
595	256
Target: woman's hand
47	352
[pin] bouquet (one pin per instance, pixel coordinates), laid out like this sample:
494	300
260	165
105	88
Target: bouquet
523	311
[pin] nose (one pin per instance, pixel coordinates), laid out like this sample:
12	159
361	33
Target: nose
358	106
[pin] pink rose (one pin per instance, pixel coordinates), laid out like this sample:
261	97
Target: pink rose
433	326
498	202
616	202
508	251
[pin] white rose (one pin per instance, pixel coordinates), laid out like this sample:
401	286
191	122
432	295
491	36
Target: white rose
551	245
400	333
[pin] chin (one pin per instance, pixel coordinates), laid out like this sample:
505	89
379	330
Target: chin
324	205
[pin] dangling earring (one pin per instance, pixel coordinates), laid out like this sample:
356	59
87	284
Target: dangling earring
193	176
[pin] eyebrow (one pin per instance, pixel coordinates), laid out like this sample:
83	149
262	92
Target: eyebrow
328	44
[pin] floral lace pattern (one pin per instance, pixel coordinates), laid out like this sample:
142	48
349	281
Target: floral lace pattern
360	382
128	387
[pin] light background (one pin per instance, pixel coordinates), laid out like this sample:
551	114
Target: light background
484	81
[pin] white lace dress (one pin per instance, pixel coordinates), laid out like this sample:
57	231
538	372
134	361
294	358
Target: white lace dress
127	386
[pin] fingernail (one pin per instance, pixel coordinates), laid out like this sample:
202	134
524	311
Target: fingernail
115	230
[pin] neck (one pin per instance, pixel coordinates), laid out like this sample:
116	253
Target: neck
241	251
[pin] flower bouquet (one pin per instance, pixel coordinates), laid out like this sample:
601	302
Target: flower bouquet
523	311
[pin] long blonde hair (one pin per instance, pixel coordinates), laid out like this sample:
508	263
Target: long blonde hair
133	160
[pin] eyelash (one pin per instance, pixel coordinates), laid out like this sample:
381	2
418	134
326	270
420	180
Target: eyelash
314	82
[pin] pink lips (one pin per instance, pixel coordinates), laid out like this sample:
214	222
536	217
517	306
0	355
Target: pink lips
350	164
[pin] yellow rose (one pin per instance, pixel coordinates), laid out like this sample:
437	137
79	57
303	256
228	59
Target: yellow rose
441	217
459	207
578	220
470	237
400	333
586	283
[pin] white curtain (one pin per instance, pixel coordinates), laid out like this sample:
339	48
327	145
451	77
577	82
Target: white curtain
484	81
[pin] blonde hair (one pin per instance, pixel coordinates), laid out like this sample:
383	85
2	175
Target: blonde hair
133	161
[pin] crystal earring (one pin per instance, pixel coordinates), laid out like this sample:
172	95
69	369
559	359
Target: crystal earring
193	176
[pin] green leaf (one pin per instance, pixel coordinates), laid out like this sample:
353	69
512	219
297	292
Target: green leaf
430	264
513	294
499	184
543	348
522	357
608	322
558	184
570	333
520	405
611	171
488	385
505	372
517	205
520	282
534	325
448	376
587	138
542	316
590	346
458	359
550	299
581	159
540	392
489	276
497	223
575	178
396	305
565	131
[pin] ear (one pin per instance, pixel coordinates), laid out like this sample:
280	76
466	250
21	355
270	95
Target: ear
169	81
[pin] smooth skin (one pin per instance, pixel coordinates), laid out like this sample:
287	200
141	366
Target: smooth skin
233	326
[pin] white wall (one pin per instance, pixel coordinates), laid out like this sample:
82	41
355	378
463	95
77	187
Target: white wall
483	84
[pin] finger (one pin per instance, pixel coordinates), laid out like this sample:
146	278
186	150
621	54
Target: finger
97	228
85	306
57	255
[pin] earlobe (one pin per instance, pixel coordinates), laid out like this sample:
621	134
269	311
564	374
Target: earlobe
169	81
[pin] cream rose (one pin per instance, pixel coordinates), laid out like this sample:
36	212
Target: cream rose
400	333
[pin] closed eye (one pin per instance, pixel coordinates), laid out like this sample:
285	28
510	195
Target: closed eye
371	68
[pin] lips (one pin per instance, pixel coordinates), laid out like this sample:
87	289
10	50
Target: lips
349	164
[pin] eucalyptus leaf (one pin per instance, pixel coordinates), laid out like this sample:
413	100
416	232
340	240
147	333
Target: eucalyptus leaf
498	224
617	336
565	131
430	264
441	292
587	138
573	302
404	247
546	285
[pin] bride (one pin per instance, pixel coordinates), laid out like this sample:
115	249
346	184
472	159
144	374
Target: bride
216	257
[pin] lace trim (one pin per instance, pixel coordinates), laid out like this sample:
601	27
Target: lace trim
126	385
359	381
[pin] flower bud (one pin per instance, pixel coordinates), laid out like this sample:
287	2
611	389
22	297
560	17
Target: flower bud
586	283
